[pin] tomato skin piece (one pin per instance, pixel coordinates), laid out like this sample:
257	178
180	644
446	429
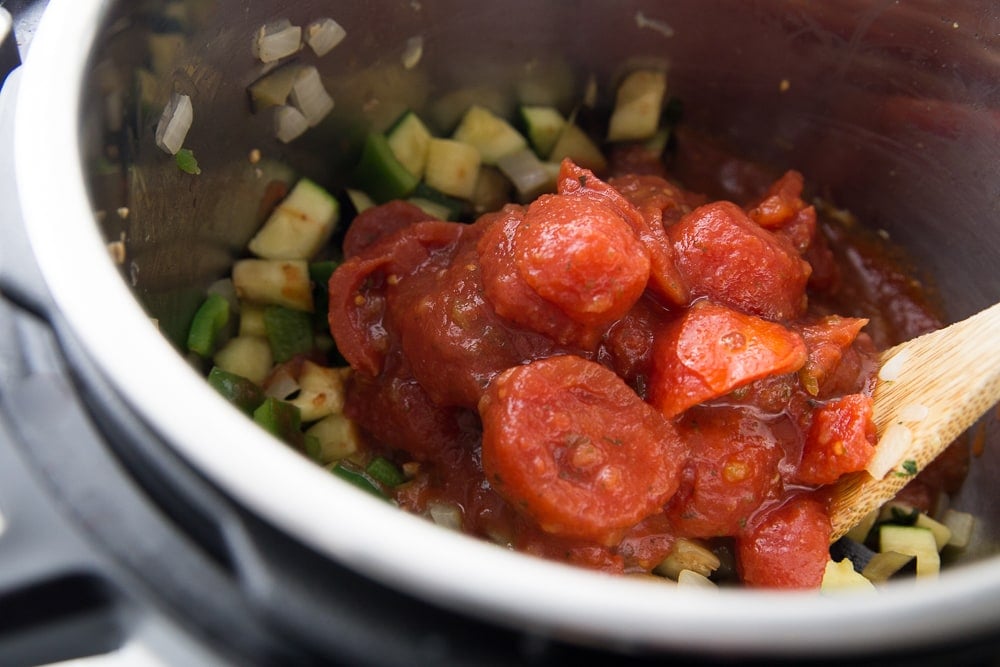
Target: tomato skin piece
569	444
786	547
725	256
841	439
712	350
732	470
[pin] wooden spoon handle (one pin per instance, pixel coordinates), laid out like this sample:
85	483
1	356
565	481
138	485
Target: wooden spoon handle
930	390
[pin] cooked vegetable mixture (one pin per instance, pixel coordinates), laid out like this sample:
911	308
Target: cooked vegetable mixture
542	338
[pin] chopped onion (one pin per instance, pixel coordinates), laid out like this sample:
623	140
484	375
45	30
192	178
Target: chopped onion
289	123
891	369
694	580
175	121
961	525
913	412
276	40
282	383
445	514
528	174
310	97
413	52
324	34
891	447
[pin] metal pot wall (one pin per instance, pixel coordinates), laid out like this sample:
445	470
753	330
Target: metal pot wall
890	107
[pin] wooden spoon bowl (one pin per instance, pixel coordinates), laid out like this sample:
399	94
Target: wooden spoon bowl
930	390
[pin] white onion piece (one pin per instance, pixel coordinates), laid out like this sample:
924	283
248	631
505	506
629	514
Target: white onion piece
891	369
282	383
525	171
324	34
289	123
276	40
892	446
310	97
914	412
175	121
413	52
445	514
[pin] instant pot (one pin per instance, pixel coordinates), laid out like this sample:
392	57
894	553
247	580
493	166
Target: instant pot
142	516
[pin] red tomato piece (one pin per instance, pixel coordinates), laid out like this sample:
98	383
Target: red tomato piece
827	340
712	350
646	191
570	445
379	222
786	547
841	439
453	340
725	256
512	298
665	277
582	256
781	202
733	468
396	411
359	286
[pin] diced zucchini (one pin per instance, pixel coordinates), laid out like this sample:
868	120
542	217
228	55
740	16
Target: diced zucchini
248	356
542	126
942	534
409	139
885	564
273	89
300	225
380	174
252	320
238	390
841	576
278	282
574	144
321	391
359	200
450	207
431	208
530	176
209	321
452	167
338	438
289	332
638	102
689	555
489	134
860	532
913	541
961	525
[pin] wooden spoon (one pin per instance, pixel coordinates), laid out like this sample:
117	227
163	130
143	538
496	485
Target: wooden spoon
929	391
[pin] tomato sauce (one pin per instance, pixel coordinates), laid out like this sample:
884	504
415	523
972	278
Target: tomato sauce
595	374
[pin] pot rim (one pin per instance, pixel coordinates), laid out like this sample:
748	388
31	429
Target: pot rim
407	553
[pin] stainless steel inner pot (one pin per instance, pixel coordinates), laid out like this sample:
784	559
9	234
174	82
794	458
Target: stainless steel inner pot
890	108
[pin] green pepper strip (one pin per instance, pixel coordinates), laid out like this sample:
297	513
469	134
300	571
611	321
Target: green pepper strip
209	320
